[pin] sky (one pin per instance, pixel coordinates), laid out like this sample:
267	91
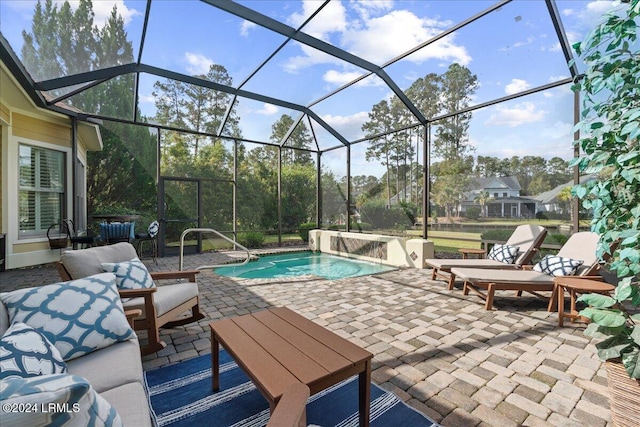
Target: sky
512	49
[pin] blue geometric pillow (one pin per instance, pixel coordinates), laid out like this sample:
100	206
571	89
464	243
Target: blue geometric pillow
130	274
25	352
554	265
78	316
503	253
60	400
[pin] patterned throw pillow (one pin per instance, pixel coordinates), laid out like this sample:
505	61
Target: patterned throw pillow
78	317
130	274
554	265
25	352
60	400
153	229
503	253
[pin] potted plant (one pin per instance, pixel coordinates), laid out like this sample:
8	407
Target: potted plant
611	122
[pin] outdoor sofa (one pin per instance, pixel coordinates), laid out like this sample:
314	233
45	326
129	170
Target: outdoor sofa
103	377
526	238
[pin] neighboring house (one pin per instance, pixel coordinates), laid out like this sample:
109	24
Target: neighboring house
37	170
549	201
504	198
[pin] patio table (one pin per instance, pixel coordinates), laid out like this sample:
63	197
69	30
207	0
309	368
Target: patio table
277	348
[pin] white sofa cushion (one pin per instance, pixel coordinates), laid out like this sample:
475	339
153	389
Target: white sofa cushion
111	366
166	297
87	262
131	402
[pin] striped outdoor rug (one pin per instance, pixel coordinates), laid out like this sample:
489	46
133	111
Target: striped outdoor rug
180	395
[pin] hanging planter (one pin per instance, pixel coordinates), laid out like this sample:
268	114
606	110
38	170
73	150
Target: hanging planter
624	395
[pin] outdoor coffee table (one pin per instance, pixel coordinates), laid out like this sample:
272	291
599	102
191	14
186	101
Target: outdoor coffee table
574	285
278	347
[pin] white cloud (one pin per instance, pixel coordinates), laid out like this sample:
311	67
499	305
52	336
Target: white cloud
403	31
103	8
197	63
332	18
267	110
558	130
349	126
245	27
568	12
519	114
149	99
516	85
340	78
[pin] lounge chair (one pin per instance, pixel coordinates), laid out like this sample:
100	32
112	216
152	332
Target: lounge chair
580	246
527	238
161	305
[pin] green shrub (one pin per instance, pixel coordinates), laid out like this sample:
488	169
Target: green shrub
472	212
251	239
556	239
361	226
303	230
378	215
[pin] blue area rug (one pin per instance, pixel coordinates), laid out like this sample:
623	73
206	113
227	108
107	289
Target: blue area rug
181	395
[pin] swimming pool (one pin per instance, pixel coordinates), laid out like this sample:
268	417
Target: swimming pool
303	264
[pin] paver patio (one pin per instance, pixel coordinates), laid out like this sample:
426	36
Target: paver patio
438	350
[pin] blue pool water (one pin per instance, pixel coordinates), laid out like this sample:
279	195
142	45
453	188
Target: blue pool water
303	264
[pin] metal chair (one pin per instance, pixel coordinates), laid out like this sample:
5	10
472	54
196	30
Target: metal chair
76	239
150	236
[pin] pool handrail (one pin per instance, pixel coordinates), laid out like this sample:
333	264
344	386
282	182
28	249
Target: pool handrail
210	230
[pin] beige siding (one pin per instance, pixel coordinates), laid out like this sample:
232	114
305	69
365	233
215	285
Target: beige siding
5	114
23	248
41	130
1	174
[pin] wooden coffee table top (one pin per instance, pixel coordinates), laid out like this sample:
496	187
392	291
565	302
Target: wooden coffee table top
278	347
585	285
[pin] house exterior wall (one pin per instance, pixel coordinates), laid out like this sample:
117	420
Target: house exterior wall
22	122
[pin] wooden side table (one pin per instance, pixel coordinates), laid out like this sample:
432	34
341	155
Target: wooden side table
574	285
466	252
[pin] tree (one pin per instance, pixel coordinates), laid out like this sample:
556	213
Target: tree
482	198
298	142
380	121
63	41
458	85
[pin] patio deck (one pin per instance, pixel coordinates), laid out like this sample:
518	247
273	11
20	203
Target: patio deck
438	350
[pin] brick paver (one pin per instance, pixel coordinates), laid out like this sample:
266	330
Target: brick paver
438	350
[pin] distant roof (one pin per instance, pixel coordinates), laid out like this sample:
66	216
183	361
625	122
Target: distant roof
510	182
551	196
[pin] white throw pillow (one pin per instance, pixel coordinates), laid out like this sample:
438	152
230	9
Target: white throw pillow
503	253
25	352
555	265
130	274
60	400
78	317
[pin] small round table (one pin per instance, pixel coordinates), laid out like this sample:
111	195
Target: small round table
574	285
466	252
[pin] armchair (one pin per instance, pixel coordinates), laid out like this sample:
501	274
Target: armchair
161	306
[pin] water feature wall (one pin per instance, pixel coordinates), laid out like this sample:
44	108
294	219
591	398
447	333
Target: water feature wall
388	250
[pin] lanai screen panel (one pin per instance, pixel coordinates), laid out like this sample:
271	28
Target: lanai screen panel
366	108
190	37
334	188
262	121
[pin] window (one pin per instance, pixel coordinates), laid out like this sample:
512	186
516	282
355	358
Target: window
504	194
495	195
41	189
